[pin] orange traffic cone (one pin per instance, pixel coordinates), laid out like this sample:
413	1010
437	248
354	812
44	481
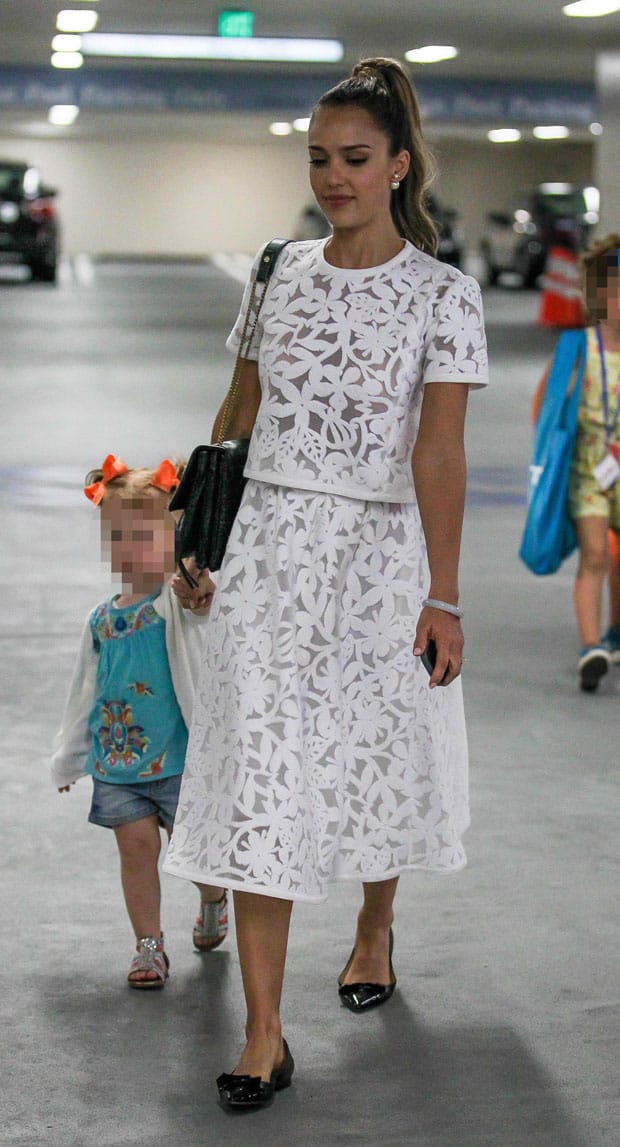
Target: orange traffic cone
561	303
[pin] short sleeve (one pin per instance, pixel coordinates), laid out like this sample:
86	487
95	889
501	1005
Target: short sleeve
455	345
233	341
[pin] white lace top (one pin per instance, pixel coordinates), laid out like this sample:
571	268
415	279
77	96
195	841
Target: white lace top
343	356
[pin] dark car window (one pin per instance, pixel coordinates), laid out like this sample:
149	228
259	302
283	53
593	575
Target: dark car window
17	181
571	203
11	180
556	204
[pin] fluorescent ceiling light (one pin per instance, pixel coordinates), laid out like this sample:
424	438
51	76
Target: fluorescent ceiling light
173	47
596	128
66	43
590	8
551	132
63	114
431	54
504	135
67	60
76	20
281	128
302	124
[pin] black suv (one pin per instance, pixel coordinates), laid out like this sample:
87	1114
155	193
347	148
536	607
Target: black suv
29	230
518	239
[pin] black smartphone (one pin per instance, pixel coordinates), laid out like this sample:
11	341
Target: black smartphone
429	659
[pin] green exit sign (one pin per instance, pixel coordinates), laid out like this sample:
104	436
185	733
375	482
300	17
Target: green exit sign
233	22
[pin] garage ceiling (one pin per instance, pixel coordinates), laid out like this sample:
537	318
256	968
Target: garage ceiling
497	39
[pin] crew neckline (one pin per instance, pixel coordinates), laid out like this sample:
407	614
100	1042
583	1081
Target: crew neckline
136	604
362	272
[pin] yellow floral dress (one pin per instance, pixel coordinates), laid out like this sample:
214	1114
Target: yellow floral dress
585	495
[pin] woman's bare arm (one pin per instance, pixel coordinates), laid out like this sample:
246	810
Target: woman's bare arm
246	408
247	403
439	474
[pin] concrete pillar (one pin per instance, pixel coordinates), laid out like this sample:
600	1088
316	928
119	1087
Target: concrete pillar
607	161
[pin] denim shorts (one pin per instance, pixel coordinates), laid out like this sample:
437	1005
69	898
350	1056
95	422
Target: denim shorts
115	804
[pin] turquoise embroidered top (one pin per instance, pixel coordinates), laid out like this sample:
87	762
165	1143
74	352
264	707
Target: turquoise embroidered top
137	727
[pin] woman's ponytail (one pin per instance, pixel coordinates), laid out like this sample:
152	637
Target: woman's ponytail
383	89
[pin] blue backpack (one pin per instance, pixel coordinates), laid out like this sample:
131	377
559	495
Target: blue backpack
549	535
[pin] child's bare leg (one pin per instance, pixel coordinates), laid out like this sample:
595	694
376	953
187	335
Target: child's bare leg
209	894
211	926
591	574
139	844
614	577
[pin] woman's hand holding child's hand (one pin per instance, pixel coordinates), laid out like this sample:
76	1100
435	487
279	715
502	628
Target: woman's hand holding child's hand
198	600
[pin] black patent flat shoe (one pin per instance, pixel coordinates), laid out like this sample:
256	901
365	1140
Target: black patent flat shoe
249	1092
363	997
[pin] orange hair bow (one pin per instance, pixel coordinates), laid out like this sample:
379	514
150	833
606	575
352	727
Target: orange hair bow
112	467
165	476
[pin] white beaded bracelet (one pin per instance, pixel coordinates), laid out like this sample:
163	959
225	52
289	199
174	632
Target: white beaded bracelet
435	603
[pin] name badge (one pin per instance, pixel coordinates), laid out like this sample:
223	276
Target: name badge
607	472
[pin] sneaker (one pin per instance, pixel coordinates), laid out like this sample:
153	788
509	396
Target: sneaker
211	927
612	643
594	662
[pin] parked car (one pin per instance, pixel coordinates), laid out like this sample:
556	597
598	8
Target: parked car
450	249
518	238
29	227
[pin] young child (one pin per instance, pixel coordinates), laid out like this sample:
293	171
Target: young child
594	479
130	702
594	486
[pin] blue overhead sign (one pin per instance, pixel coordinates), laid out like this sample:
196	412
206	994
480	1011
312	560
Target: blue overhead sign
203	90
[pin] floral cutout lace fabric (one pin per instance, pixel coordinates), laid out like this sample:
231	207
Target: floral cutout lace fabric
343	358
317	751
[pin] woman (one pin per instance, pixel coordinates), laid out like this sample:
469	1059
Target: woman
594	494
318	750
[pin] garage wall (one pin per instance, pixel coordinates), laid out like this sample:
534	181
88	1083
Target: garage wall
190	197
167	197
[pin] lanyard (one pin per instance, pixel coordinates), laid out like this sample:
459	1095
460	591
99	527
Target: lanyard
610	426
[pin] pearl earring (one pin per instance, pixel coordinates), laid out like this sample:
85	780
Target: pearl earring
395	184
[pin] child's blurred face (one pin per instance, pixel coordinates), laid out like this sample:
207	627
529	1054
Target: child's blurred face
608	295
138	539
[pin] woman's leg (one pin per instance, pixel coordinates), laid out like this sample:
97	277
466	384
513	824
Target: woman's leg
262	936
614	577
371	962
591	574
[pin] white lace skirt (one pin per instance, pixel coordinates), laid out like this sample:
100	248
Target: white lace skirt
317	750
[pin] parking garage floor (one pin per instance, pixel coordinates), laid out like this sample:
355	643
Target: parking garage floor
503	1031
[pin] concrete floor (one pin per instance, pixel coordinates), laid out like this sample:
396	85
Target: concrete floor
504	1028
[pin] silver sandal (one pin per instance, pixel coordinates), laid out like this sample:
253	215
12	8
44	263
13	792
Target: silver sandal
150	957
211	925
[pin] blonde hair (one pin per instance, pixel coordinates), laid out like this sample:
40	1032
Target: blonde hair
595	265
135	484
382	88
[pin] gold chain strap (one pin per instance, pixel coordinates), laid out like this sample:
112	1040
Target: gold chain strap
230	402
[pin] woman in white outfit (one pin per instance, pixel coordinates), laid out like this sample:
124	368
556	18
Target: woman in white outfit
320	749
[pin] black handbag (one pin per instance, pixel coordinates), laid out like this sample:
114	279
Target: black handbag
209	493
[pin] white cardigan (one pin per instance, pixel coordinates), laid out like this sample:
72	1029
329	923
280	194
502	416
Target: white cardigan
184	642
